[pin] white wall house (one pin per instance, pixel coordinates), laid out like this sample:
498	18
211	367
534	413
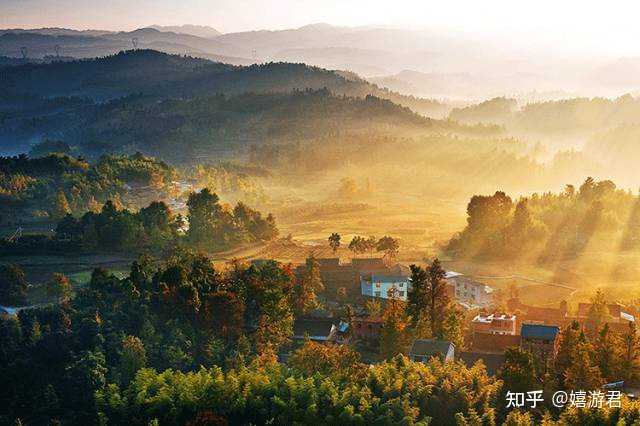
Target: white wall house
469	291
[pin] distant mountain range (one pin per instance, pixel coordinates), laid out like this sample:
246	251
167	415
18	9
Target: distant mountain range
421	63
194	30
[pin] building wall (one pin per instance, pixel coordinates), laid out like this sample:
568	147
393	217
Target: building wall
381	289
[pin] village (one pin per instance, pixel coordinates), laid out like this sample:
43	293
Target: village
490	326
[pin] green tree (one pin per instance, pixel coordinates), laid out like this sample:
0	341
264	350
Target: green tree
521	371
428	301
204	216
132	358
59	286
13	285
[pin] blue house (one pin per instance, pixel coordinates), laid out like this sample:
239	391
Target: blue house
539	338
385	286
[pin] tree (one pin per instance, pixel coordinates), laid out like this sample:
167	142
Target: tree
606	357
13	285
132	359
306	287
598	312
453	327
59	287
338	360
334	242
629	356
564	357
61	207
583	373
388	245
428	301
204	216
369	245
394	336
358	245
521	371
373	308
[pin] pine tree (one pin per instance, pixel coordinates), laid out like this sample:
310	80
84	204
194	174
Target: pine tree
629	353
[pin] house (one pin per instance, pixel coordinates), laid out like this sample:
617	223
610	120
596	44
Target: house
424	349
492	362
469	291
385	286
369	265
540	339
366	328
494	324
335	274
320	330
493	343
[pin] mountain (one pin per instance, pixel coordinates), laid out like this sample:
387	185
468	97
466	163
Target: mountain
417	62
194	30
158	74
90	44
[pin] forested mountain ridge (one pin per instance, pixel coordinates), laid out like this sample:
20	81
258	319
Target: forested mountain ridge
155	73
184	129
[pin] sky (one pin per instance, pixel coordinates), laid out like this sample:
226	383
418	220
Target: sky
587	25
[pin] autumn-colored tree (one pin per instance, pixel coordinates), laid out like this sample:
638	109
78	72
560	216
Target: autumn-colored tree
583	373
306	286
338	360
598	313
395	334
629	354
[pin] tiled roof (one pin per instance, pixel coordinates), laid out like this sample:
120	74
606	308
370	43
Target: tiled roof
543	332
426	347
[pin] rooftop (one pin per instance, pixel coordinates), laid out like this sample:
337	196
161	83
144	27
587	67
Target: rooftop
494	317
537	331
426	347
380	278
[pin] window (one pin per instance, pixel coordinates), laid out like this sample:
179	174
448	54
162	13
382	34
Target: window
376	293
401	284
401	293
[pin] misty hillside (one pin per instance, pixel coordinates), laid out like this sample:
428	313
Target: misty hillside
159	74
210	127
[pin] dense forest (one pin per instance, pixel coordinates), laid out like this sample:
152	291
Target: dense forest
183	342
550	226
52	186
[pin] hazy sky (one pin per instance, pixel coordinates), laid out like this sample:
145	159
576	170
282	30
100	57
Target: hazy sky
600	25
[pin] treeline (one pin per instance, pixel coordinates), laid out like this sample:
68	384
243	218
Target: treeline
52	186
209	225
550	226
